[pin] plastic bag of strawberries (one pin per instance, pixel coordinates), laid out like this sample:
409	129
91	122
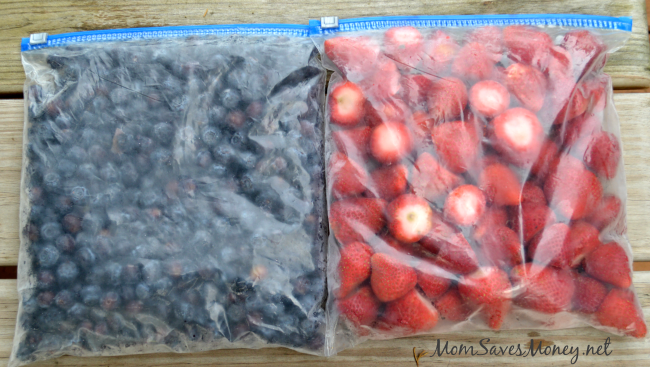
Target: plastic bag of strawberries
474	178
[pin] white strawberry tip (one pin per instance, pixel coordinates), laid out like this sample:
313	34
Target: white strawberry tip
468	204
347	101
407	37
415	219
519	130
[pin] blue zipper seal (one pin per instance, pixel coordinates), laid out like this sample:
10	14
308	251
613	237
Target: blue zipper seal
130	34
446	21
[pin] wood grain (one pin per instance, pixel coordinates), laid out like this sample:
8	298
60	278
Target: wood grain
399	352
629	66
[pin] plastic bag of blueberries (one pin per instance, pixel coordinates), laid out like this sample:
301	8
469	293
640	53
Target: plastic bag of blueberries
474	176
172	196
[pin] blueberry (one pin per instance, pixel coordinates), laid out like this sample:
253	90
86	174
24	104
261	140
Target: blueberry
67	272
163	285
63	204
85	257
217	114
110	301
50	320
163	133
130	273
97	155
45	299
236	119
210	135
127	293
66	168
246	184
142	291
125	143
115	321
48	256
203	158
184	311
161	157
101	328
71	223
129	174
145	144
78	311
52	181
151	272
45	279
112	273
109	173
223	154
64	299
87	171
218	170
230	98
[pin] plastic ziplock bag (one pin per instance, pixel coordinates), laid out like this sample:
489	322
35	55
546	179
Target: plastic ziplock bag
474	176
172	195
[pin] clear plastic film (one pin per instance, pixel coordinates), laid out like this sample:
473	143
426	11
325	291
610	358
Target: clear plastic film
474	177
172	197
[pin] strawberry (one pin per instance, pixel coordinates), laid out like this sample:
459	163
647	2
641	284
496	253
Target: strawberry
596	90
409	218
439	51
585	49
559	63
542	289
489	36
347	177
532	194
620	310
609	263
412	312
489	98
354	56
377	113
447	99
473	62
548	246
356	219
360	307
605	212
501	247
354	266
432	280
404	45
346	103
589	294
353	142
440	234
547	155
457	144
568	100
389	182
493	217
602	154
456	255
465	205
572	190
489	288
500	185
430	179
415	89
452	306
580	128
390	278
390	142
386	244
582	240
518	135
385	82
527	44
421	124
529	219
527	84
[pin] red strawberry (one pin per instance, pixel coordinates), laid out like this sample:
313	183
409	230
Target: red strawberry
413	312
501	247
473	62
589	294
452	306
527	44
415	88
527	84
447	99
547	155
580	128
609	263
489	98
605	212
543	289
602	154
488	287
432	280
493	217
353	142
385	82
500	185
348	178
409	218
572	189
421	124
532	218
585	49
431	180
559	63
532	194
361	307
390	142
596	90
439	51
518	135
489	36
389	182
356	219
390	278
465	205
547	247
582	240
620	310
456	255
346	104
568	100
377	113
354	266
440	234
404	45
388	245
457	144
354	56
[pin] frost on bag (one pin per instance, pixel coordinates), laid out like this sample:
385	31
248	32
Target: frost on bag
172	196
474	179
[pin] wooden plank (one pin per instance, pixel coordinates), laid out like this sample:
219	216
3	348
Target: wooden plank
628	67
399	352
633	110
